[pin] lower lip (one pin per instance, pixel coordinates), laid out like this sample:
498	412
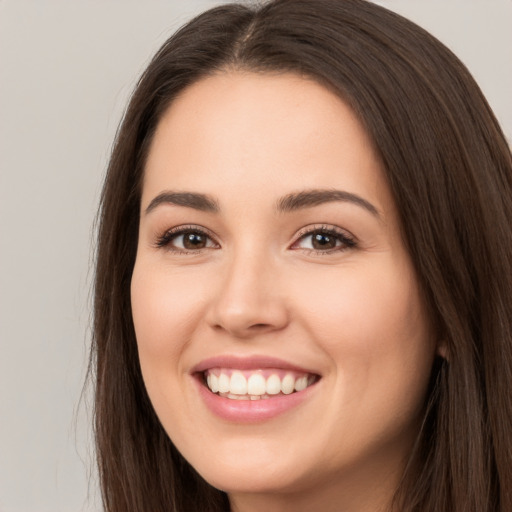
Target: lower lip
251	411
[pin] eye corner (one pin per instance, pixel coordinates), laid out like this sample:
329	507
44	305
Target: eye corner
175	240
329	239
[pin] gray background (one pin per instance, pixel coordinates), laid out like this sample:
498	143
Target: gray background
66	70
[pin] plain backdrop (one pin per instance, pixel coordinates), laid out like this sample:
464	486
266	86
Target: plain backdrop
66	70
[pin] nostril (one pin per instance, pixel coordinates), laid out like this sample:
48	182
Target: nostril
243	318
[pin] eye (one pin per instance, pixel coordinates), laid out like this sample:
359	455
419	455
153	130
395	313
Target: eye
186	239
324	240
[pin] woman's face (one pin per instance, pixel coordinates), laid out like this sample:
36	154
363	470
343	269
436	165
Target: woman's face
270	265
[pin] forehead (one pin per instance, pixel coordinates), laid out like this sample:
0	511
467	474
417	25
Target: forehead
250	131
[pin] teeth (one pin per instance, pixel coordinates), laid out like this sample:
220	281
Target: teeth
235	385
213	382
256	384
224	383
300	384
238	384
288	384
273	385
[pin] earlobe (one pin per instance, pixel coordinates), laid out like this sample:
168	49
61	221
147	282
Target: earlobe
442	350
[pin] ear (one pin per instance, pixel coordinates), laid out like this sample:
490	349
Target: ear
442	349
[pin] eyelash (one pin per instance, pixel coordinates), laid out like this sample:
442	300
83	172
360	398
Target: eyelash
167	238
346	240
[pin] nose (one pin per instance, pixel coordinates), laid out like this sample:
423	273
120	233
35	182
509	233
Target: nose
248	300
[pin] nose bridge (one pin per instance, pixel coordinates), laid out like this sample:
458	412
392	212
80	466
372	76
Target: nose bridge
247	300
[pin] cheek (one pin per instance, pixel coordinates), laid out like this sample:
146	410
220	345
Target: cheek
164	309
372	324
364	306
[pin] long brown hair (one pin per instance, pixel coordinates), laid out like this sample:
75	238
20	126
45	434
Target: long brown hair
449	168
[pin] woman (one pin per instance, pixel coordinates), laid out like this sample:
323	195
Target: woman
304	273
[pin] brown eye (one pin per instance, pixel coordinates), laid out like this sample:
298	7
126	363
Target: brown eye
186	240
322	241
194	240
325	240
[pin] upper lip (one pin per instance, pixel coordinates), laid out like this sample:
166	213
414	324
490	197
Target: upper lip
248	363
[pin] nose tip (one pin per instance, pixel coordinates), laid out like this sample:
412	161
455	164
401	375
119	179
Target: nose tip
248	302
245	323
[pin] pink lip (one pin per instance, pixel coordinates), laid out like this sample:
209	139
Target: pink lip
247	363
248	411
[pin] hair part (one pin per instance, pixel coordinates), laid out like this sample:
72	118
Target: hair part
450	172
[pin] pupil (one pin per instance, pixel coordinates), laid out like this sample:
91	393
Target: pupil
322	241
194	241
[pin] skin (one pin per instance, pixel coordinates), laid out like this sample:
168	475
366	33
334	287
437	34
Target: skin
352	314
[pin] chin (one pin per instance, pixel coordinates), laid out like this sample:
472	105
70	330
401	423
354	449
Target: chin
256	465
251	479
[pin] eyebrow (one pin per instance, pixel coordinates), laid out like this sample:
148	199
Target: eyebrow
309	198
288	203
193	200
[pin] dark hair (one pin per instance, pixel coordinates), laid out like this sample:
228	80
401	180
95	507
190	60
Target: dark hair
449	168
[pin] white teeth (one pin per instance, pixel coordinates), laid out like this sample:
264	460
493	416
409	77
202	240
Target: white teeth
300	384
288	384
273	385
256	384
213	382
235	385
234	396
238	384
223	383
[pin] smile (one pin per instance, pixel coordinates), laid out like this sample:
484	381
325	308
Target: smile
257	384
252	389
